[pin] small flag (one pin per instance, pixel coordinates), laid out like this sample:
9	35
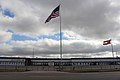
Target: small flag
107	42
54	14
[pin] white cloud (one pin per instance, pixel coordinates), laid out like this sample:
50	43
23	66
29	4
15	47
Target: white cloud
86	22
86	18
50	48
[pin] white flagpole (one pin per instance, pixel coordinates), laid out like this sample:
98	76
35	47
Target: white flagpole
113	55
60	38
112	50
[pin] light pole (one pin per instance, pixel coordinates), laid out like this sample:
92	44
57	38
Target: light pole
33	52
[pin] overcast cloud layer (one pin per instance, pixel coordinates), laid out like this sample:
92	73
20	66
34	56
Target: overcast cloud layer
85	24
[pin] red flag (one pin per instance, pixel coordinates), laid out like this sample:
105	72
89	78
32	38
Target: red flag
107	42
54	14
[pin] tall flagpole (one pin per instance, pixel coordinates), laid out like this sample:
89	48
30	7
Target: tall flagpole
60	39
109	42
112	50
55	13
113	55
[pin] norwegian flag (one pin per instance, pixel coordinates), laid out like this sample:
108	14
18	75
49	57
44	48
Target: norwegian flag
107	42
54	14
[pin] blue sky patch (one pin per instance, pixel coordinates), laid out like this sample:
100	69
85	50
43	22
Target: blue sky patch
22	38
55	36
18	37
7	12
52	36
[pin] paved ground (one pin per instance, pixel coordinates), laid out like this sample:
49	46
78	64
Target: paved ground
52	75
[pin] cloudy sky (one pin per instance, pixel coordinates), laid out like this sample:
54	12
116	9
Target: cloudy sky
85	25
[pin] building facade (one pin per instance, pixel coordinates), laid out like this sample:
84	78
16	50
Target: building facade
12	61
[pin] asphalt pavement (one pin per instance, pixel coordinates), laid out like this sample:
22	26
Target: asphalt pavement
54	75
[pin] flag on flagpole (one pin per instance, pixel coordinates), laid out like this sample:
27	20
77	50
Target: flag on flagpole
107	42
54	14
